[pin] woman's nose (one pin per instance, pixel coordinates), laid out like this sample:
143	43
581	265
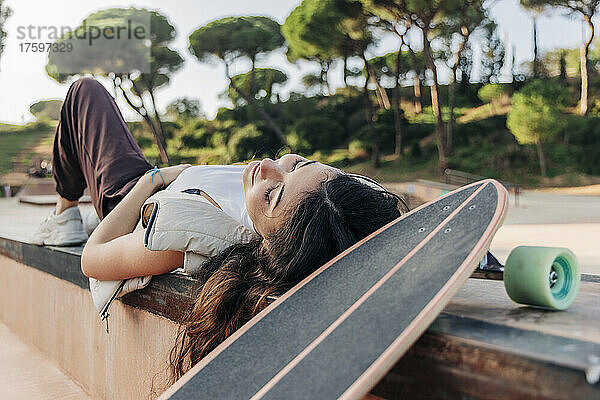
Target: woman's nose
270	169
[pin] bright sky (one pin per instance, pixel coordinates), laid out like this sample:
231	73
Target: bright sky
24	81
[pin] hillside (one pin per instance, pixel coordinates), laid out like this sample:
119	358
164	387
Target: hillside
332	130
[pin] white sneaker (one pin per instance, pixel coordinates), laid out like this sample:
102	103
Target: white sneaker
65	229
90	221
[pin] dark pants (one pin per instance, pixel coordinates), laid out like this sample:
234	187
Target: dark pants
93	147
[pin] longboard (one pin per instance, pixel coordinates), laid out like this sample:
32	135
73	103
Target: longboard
338	332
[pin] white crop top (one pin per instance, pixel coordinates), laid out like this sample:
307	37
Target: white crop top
223	183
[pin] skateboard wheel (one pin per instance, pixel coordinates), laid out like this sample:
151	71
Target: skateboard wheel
542	276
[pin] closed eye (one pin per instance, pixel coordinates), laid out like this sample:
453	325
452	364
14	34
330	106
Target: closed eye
298	161
268	193
280	194
270	189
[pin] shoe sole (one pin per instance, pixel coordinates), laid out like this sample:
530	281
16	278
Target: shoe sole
59	243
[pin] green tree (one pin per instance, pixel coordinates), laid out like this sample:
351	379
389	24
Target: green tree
394	17
246	143
458	25
263	35
492	54
329	29
261	80
586	9
358	37
308	132
5	12
394	67
391	64
185	108
535	9
46	109
229	39
137	68
312	32
536	115
426	15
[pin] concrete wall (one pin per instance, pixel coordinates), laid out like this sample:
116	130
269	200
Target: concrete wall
59	319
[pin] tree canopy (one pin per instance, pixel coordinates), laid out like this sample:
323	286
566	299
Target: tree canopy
265	79
228	39
46	109
233	37
136	66
326	30
385	66
535	116
536	111
185	108
314	31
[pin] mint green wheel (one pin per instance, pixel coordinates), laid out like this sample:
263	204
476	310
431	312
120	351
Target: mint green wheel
542	276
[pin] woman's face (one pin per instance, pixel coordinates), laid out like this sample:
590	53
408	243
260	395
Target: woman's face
273	188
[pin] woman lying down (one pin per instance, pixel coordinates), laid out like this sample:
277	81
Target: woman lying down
252	231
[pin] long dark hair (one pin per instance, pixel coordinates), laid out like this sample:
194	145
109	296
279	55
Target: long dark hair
241	280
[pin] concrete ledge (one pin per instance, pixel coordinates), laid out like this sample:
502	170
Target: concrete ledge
169	295
482	346
444	366
58	318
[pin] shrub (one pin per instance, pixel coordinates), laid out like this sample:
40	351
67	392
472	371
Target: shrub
46	109
170	128
535	116
246	143
194	133
584	134
494	92
357	149
470	132
319	132
196	139
299	144
144	141
219	138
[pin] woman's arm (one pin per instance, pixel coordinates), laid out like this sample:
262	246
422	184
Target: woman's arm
113	252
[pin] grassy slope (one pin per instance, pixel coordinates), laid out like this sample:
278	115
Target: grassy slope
489	150
19	145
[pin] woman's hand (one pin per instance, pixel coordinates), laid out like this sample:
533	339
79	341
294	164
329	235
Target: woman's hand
169	174
113	252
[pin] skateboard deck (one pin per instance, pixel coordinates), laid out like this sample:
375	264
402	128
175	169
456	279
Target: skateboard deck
338	332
